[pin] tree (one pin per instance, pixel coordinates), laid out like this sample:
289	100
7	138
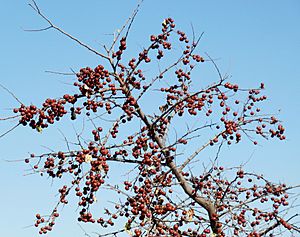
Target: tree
166	194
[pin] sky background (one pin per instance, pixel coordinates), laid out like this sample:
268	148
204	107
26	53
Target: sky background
253	41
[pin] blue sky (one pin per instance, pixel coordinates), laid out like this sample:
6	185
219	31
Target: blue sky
253	41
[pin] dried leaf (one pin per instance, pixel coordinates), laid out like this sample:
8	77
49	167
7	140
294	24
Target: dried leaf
191	213
87	158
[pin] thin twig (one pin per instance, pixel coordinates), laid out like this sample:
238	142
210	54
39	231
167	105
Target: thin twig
51	25
12	94
128	21
11	129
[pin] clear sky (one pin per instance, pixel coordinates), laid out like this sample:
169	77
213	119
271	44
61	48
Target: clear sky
254	41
